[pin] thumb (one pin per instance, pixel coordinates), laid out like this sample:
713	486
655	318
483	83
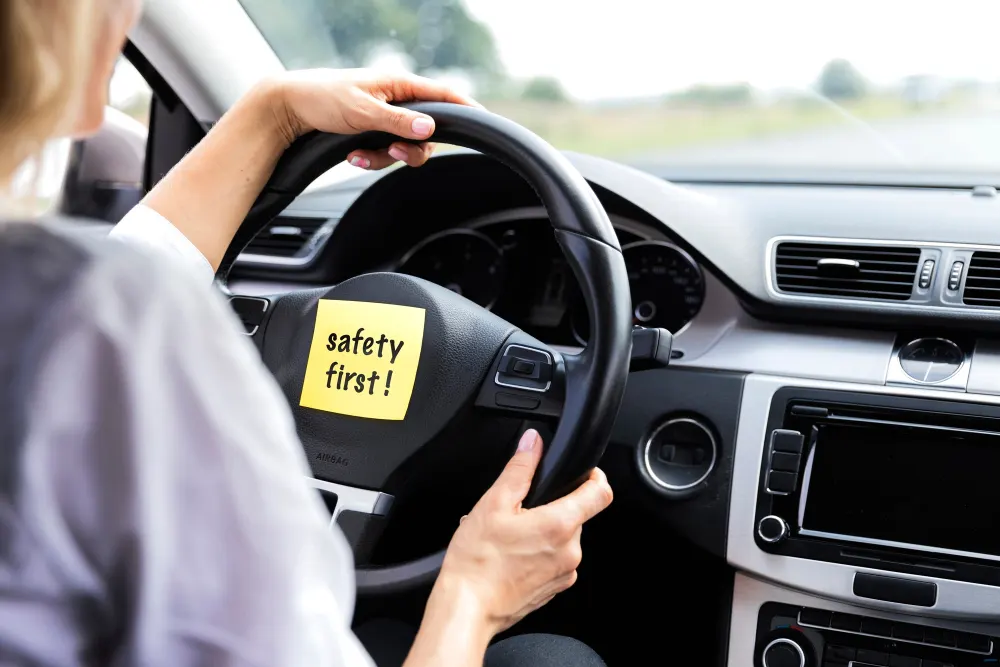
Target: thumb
515	480
401	122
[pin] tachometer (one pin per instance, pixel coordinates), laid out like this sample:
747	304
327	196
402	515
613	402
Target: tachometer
666	284
462	260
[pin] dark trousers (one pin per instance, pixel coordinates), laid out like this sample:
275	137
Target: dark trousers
389	641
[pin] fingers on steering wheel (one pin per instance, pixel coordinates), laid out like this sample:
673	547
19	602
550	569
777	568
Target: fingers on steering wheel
590	499
412	155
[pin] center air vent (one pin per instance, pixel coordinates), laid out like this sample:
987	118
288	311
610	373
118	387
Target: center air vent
284	236
982	282
855	271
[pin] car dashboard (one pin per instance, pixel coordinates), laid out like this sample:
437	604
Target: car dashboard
806	316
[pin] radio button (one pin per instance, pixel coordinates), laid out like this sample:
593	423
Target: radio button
783	440
817	618
903	661
873	657
785	461
781	482
977	643
912	633
772	529
839	654
846	622
939	637
877	627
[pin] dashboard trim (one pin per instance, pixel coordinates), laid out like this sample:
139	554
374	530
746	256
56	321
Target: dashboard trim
956	599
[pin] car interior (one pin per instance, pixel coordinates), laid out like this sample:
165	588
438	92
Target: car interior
774	322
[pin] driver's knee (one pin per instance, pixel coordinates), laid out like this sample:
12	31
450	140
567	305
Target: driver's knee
541	650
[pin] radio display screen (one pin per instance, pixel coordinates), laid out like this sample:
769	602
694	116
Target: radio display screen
879	484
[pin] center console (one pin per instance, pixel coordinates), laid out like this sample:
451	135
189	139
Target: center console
903	484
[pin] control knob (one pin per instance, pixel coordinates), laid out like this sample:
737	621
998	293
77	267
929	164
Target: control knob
772	529
784	652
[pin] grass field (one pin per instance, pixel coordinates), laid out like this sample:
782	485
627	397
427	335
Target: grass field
629	131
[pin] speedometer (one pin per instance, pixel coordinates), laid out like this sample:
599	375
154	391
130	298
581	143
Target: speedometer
462	260
666	284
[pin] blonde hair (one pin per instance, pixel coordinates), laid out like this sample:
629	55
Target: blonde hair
46	47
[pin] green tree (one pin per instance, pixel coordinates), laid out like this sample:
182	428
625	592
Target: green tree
840	80
544	89
436	34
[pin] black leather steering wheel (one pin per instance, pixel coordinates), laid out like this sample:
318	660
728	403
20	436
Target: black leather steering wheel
470	360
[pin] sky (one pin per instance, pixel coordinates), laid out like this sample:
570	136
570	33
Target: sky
634	48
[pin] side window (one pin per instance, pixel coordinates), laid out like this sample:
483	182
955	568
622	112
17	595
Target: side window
129	93
104	173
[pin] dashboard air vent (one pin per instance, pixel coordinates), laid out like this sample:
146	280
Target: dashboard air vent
982	282
284	236
854	271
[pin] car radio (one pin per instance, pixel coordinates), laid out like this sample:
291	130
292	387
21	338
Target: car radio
887	482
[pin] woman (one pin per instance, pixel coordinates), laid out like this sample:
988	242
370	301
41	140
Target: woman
153	507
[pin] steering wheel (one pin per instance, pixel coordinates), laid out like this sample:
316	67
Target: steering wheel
470	360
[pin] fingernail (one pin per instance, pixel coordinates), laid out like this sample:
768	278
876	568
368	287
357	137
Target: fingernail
398	153
528	440
422	127
358	161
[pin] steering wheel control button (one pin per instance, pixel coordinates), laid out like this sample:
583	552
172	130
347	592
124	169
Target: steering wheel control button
517	401
783	653
783	440
525	368
679	455
250	310
926	274
780	483
955	276
773	529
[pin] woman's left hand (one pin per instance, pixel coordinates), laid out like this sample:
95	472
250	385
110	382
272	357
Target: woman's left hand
357	100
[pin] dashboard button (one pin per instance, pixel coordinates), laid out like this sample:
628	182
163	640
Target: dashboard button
848	622
936	663
783	440
939	637
907	631
839	654
877	627
970	642
955	277
872	657
815	617
903	661
781	482
926	274
785	461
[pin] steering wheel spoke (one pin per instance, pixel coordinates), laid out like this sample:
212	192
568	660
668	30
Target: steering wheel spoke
527	378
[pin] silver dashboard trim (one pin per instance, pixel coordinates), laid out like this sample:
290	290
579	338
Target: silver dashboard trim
938	305
649	441
959	380
348	497
897	545
956	599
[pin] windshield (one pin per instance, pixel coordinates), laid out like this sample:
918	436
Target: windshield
847	85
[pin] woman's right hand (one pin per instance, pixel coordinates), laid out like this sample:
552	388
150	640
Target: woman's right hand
513	560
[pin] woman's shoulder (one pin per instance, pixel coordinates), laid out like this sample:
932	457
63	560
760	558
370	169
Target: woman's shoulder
58	264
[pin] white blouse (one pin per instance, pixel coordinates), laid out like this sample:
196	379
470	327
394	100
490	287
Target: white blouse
165	486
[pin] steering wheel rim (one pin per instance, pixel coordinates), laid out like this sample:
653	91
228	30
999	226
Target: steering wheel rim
594	380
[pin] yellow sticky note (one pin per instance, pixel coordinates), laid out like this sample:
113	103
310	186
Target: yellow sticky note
363	359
